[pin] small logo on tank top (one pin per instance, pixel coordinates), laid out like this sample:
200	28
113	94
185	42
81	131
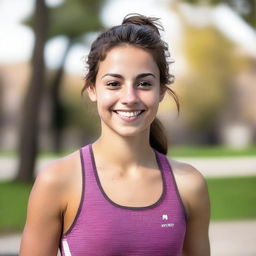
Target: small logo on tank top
164	217
166	225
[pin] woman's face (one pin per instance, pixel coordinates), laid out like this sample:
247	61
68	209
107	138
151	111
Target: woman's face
127	90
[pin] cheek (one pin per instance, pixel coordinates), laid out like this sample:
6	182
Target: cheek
105	99
151	99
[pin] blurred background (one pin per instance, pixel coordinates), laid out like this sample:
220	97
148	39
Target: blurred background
43	48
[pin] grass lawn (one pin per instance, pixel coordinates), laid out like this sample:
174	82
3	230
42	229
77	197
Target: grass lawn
231	198
175	151
13	205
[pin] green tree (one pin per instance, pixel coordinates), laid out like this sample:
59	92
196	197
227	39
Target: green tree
73	19
28	144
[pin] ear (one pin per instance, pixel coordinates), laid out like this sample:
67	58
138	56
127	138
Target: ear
91	90
162	92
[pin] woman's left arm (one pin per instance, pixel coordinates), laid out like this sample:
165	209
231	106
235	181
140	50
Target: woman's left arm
197	198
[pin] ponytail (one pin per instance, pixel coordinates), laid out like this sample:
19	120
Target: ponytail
157	137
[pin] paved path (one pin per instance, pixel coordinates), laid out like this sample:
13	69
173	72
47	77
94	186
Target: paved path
233	238
217	167
209	167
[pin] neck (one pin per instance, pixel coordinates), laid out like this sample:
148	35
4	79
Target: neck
125	152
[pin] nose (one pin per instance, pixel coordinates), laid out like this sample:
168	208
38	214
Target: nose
129	95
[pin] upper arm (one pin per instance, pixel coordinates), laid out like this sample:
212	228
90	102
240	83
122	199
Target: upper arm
44	216
196	196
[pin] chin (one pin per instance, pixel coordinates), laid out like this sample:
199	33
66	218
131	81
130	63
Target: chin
127	130
131	131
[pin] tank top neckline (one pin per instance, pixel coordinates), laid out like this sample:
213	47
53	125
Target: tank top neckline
155	204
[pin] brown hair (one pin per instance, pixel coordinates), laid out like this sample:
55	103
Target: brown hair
143	32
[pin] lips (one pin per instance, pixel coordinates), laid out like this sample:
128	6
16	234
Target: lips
128	115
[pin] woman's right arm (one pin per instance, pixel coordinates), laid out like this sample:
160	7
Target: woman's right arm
43	226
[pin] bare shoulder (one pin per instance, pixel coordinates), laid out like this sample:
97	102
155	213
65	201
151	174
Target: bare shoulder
48	195
56	180
59	173
188	175
191	184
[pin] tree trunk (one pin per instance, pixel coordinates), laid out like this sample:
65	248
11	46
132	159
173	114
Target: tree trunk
58	114
28	144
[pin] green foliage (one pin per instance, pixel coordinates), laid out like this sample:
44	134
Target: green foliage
73	18
13	201
232	198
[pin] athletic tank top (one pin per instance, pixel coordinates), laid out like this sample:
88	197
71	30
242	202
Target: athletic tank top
105	228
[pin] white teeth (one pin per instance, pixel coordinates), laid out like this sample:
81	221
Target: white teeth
128	114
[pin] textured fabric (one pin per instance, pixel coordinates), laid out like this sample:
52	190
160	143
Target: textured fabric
104	228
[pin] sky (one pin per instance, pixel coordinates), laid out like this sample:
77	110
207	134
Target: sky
16	40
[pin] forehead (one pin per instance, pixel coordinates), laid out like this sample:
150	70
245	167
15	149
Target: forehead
128	59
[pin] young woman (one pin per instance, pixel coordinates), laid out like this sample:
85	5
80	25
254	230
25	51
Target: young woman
121	195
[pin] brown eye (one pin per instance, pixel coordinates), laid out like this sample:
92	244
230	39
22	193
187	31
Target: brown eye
144	84
113	84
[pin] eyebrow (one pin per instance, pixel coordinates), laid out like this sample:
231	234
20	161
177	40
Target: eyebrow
142	75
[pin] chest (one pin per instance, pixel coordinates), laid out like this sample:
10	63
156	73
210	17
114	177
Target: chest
136	190
128	233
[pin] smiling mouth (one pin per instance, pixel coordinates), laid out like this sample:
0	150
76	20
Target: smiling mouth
129	114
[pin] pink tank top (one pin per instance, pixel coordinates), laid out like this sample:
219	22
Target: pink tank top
104	228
